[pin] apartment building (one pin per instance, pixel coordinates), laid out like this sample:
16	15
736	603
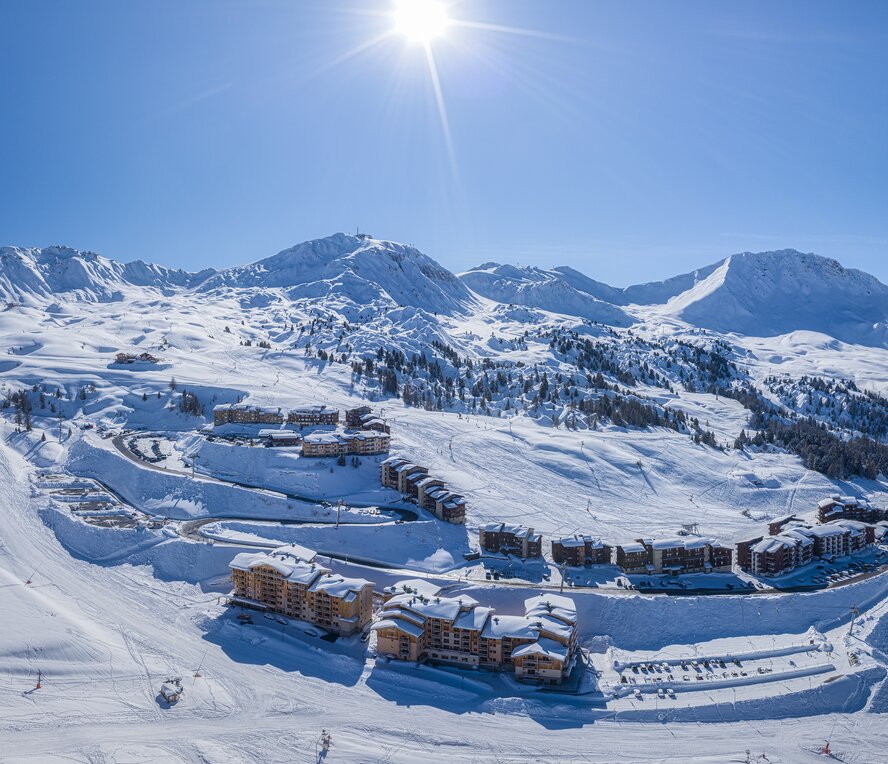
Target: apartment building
779	554
510	539
634	557
376	424
336	444
577	551
287	581
431	493
539	646
313	415
674	556
245	413
354	416
849	508
800	544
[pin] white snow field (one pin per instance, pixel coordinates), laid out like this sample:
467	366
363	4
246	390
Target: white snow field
105	603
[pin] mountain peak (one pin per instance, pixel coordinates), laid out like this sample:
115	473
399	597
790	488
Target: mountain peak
534	287
781	291
355	269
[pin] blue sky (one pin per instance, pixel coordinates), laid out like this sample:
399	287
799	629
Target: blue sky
631	140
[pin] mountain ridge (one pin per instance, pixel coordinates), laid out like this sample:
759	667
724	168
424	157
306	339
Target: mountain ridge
751	293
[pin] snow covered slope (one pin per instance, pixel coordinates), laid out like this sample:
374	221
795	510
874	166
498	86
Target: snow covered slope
53	273
765	294
357	268
538	288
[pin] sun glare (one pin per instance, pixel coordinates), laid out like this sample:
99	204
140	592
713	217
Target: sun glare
420	21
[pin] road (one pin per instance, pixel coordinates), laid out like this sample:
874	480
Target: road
407	515
192	529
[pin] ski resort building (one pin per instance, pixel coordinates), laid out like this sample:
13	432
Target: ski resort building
675	556
313	415
362	417
849	508
376	424
286	581
800	544
127	358
245	413
577	551
280	438
431	493
354	417
402	475
510	539
362	443
539	646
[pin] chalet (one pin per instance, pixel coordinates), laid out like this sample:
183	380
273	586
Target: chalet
280	438
287	581
313	415
244	413
539	646
577	551
132	358
510	539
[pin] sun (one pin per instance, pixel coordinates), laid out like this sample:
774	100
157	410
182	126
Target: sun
420	21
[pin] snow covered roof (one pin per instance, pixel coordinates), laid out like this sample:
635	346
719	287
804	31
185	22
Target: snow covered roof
397	623
473	619
578	540
340	587
446	608
246	407
313	409
633	547
413	586
555	605
518	531
319	438
282	435
544	646
514	626
294	562
365	435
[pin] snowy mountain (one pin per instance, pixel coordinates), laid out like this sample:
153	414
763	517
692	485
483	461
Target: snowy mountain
762	294
29	274
358	269
765	294
538	288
